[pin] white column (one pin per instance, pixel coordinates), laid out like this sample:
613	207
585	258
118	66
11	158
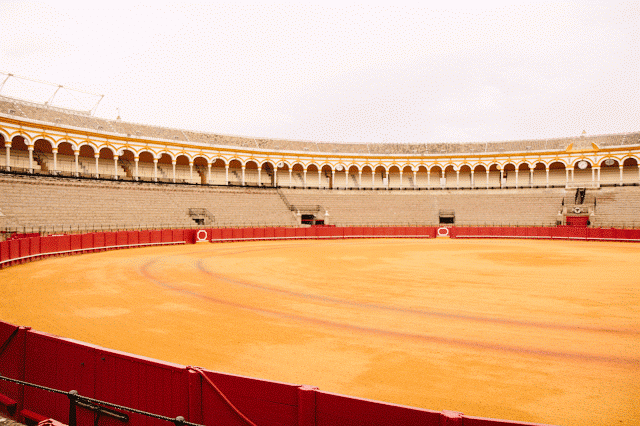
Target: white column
429	178
415	178
97	155
373	178
243	178
55	160
360	177
501	177
516	178
7	147
333	178
115	167
136	160
173	169
30	148
226	174
275	176
319	179
290	177
487	178
593	174
546	168
346	178
400	179
572	174
458	179
76	154
155	169
190	171
473	183
304	178
598	173
259	175
566	176
620	166
530	178
208	173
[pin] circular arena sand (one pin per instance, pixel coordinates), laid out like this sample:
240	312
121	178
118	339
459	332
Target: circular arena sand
541	331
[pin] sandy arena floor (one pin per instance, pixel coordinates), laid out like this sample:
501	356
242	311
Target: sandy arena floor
542	331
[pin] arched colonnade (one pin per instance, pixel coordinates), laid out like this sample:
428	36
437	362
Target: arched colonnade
157	163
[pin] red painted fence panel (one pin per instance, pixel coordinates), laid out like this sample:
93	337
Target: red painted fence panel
155	236
98	239
177	235
289	232
166	236
258	233
269	232
279	232
236	233
261	401
87	241
227	234
247	233
76	242
4	251
34	246
110	239
144	237
338	410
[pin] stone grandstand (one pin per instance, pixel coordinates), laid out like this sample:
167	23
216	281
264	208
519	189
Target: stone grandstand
67	170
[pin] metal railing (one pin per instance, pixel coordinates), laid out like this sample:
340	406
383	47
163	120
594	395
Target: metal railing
99	407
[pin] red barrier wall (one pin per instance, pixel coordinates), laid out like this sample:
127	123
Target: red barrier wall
173	390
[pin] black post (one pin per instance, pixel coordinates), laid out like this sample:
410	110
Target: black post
73	395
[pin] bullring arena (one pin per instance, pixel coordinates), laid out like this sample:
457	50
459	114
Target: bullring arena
495	280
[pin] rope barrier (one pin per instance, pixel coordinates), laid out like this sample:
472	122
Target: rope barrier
223	396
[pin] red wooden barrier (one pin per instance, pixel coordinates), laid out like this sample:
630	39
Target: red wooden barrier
144	237
258	233
76	242
133	237
25	247
236	233
261	401
632	234
4	251
269	232
87	241
34	246
289	232
300	232
178	235
110	239
155	236
338	410
216	234
279	232
98	239
166	236
227	234
247	233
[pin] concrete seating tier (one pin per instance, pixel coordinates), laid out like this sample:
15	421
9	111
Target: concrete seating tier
34	201
478	207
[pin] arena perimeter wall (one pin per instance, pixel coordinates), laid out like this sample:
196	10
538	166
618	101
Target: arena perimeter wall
173	390
28	247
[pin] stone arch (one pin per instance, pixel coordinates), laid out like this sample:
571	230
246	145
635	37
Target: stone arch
464	179
325	176
380	178
557	173
393	174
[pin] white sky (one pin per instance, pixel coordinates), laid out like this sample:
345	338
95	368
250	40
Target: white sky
447	72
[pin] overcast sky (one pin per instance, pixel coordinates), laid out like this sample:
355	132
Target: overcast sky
451	71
